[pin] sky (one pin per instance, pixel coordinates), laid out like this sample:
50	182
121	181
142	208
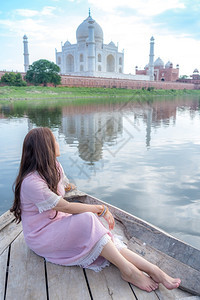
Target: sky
175	25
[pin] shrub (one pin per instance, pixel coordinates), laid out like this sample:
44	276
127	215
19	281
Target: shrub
12	78
150	88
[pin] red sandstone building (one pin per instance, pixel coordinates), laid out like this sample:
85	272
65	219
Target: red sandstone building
195	79
195	75
161	72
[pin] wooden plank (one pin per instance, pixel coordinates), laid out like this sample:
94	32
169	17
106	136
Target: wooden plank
26	277
8	234
160	240
164	293
142	295
5	219
3	268
66	283
190	277
108	284
190	298
74	195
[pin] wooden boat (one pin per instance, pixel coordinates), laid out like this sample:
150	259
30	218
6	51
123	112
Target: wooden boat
24	275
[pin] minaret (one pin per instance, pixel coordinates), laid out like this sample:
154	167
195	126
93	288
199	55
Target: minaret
91	45
151	59
26	55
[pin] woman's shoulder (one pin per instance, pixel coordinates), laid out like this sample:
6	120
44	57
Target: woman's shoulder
32	178
33	186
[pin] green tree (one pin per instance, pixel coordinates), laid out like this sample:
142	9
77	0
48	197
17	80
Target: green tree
184	77
12	78
42	72
19	81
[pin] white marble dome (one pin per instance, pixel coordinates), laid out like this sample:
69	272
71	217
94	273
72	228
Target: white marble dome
82	31
159	63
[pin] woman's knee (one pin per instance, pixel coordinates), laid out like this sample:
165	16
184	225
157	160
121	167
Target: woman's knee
85	218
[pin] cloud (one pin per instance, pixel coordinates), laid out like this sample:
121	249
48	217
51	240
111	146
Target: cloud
30	26
6	23
46	11
26	12
37	24
180	22
144	7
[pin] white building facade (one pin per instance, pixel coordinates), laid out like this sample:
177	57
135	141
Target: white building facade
90	56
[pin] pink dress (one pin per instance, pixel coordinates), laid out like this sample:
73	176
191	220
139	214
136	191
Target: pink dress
67	239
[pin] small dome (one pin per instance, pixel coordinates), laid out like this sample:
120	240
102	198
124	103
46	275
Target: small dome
196	71
25	37
67	43
159	63
82	31
111	44
168	65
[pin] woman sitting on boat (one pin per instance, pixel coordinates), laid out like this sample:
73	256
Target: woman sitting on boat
67	233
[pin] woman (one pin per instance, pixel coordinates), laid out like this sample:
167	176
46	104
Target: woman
70	233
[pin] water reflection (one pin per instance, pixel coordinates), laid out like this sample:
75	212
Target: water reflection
140	156
91	131
94	125
38	116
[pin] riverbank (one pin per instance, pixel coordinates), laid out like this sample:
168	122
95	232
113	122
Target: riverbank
9	93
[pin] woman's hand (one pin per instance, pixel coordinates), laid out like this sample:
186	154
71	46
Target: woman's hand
73	187
70	187
110	219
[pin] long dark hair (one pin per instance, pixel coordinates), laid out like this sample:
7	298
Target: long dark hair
39	155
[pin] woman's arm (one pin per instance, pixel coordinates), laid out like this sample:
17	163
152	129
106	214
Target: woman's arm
77	208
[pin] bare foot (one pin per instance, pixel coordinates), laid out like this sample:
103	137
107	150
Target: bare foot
141	280
161	277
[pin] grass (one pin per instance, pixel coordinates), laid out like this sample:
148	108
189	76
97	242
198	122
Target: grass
33	92
39	92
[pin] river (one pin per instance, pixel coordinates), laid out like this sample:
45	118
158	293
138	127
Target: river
141	156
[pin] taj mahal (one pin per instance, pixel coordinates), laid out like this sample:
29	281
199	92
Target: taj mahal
90	56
